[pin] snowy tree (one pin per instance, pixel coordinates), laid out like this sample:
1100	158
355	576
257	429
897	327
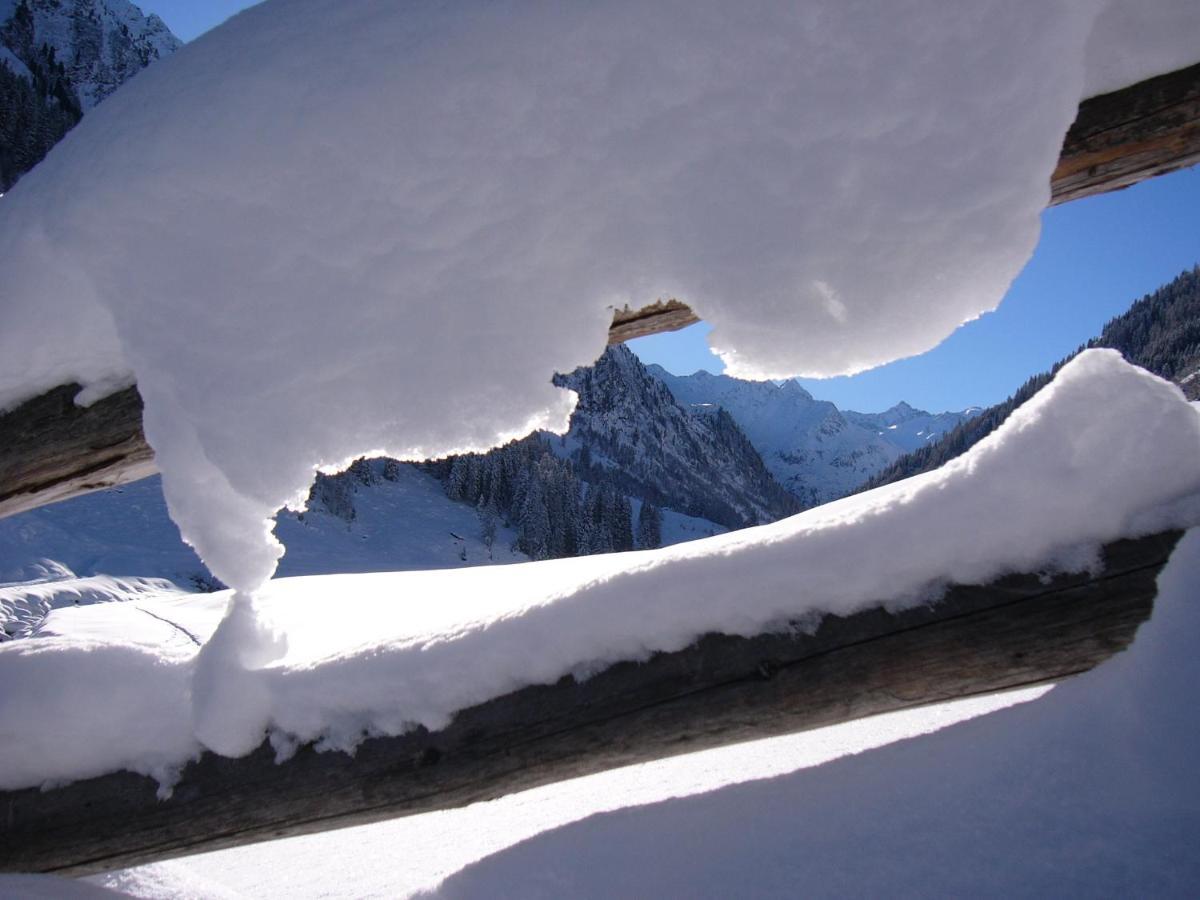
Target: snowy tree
487	525
649	527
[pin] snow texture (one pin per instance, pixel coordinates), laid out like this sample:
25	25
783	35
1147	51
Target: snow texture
1040	494
24	606
1135	41
300	266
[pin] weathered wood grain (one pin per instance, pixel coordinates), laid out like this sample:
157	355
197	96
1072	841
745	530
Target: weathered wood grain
51	449
1118	139
660	316
1130	135
1019	631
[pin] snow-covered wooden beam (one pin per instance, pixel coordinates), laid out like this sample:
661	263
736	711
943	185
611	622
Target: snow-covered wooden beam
51	450
1018	631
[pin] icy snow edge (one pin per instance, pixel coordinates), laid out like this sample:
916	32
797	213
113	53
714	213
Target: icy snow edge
1106	451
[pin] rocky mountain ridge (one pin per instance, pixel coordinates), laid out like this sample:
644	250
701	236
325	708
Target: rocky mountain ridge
58	59
815	450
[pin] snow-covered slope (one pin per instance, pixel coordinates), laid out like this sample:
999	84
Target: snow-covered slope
100	43
122	531
628	426
816	451
401	520
121	544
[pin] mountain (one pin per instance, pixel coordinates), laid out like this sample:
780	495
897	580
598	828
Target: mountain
815	450
1160	332
58	59
628	430
909	428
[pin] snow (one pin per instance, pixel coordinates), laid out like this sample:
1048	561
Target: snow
408	523
299	269
10	59
24	606
412	855
399	524
1132	42
678	528
1090	792
331	658
121	531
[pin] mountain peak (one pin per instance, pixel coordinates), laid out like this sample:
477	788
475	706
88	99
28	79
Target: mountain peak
792	386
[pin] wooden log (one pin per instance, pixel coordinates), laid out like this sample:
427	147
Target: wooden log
1018	631
659	317
1117	140
1130	135
51	449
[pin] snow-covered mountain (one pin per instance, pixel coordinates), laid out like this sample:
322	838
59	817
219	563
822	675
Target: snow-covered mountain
99	43
815	450
909	428
628	429
58	59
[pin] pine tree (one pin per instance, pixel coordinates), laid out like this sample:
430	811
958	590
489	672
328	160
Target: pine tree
649	527
487	525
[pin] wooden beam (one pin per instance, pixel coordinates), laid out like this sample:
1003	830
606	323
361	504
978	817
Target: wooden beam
51	449
658	317
1018	631
1130	135
1117	140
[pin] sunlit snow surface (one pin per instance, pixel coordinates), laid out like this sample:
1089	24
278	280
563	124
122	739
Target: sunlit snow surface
379	653
301	262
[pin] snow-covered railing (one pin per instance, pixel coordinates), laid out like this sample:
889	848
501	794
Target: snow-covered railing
1017	631
51	449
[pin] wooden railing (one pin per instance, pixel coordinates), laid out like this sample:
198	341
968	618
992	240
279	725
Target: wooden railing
1018	631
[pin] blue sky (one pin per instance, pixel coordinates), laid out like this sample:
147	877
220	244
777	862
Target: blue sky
189	19
1095	257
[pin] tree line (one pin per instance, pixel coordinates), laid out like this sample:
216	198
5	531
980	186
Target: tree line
539	495
34	114
1160	332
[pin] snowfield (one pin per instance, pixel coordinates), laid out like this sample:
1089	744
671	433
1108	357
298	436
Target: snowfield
380	653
